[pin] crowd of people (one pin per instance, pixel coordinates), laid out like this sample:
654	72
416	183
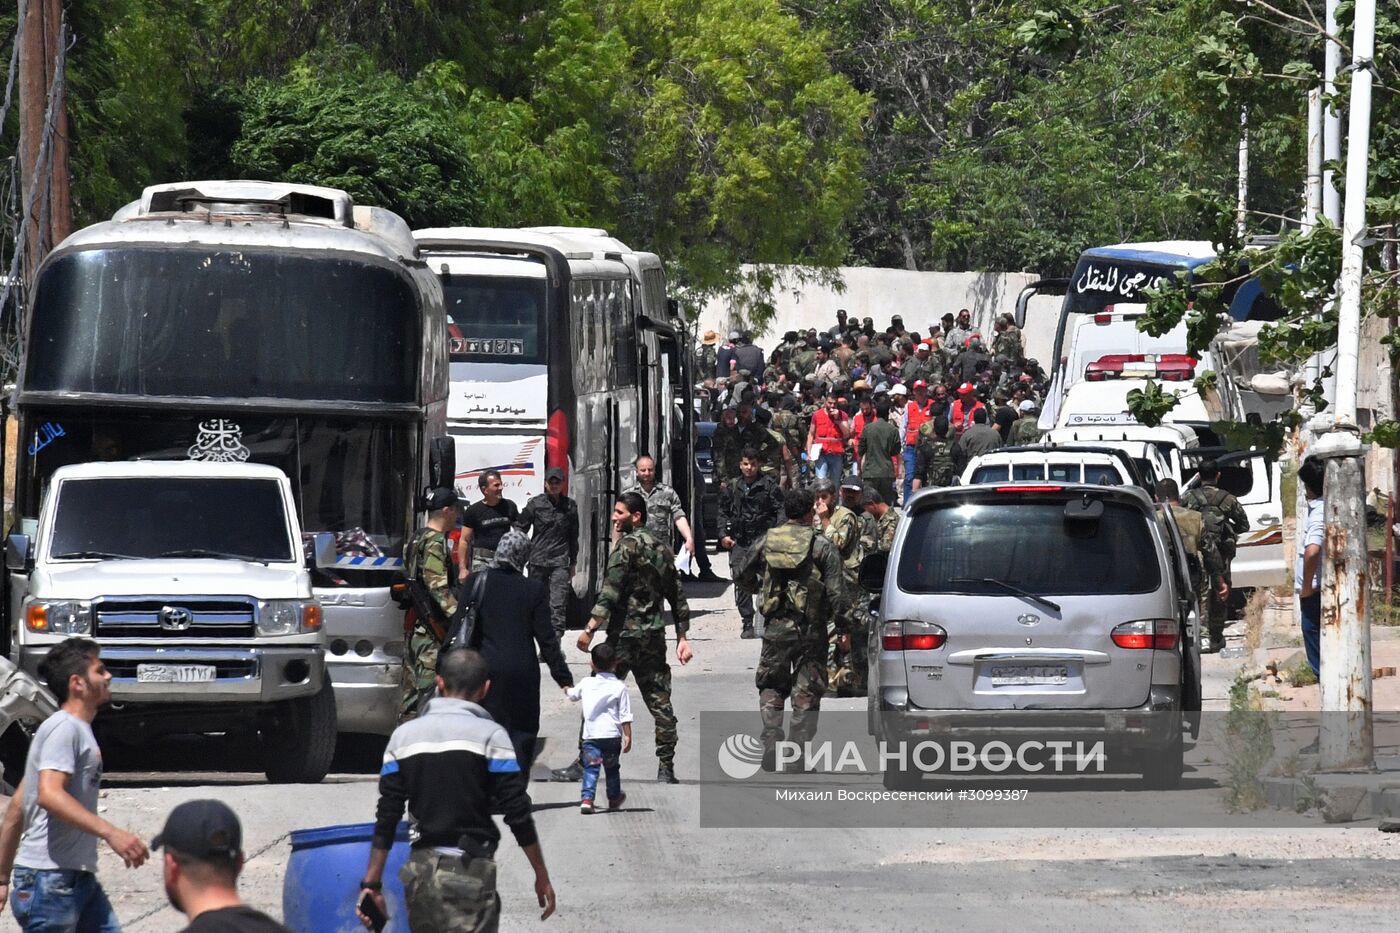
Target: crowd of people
901	408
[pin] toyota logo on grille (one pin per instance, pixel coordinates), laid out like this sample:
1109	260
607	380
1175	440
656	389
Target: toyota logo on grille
175	618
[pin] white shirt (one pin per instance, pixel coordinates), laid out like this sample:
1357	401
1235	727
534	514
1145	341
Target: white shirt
605	705
1312	529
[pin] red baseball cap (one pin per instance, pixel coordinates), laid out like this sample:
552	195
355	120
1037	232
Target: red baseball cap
920	384
966	389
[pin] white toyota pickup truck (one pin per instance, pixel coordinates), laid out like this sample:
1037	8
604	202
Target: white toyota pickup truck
192	578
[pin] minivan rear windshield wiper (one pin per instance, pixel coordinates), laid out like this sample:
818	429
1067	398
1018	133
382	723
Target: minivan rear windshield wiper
217	555
96	555
1007	586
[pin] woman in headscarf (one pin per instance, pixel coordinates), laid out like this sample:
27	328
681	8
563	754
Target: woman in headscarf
512	622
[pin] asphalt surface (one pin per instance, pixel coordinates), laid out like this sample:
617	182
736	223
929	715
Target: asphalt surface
653	867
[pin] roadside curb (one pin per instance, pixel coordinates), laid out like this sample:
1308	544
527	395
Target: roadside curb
1342	797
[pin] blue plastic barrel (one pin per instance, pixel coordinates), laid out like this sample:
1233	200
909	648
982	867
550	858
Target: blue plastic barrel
324	874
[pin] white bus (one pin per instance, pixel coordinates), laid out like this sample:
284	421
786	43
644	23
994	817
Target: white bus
564	352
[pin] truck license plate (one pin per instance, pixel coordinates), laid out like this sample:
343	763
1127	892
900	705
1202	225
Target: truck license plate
1029	675
174	673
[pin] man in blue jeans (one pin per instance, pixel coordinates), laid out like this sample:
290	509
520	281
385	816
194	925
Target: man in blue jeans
53	876
1307	578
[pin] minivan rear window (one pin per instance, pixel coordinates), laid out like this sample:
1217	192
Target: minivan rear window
1030	545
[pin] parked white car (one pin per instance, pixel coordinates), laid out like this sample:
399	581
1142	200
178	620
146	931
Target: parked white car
192	578
1077	465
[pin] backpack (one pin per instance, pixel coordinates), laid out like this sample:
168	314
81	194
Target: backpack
792	587
1216	534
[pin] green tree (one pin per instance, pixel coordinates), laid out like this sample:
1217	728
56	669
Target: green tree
336	120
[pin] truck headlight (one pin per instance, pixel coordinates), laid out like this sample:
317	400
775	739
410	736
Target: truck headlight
289	617
59	617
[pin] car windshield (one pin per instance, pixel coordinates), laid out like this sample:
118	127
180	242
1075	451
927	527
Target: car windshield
149	517
1030	545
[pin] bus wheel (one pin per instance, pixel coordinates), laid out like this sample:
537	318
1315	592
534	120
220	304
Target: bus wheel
299	746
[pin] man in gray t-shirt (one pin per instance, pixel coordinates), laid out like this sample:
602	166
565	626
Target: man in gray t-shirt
54	870
64	743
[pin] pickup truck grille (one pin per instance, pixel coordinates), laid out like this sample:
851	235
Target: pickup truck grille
176	617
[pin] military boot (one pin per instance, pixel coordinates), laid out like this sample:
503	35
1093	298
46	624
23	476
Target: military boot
665	774
570	774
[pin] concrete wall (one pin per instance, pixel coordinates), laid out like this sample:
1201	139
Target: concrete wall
921	298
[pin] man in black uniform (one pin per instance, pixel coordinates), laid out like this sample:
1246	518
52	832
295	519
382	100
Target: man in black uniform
483	524
748	507
551	519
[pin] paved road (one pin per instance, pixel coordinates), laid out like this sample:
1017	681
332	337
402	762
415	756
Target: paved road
652	867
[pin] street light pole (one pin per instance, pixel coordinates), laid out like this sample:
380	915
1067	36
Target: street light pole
1346	741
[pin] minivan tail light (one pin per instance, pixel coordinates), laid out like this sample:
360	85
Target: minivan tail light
1147	634
912	635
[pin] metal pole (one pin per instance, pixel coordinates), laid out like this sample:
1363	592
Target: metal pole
1242	191
1346	741
1354	221
1332	121
1312	188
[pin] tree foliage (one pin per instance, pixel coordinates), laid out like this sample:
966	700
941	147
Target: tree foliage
929	134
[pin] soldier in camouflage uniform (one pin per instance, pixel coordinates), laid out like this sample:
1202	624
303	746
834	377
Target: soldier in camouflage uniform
841	526
798	573
640	575
1025	429
933	461
1006	346
725	445
1223	520
427	560
768	444
706	359
886	518
785	423
665	516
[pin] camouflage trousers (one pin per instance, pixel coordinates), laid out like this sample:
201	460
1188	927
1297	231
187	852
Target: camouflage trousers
419	671
839	662
643	654
482	558
855	673
556	579
790	667
444	896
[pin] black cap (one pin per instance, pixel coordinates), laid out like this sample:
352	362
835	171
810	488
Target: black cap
439	497
201	829
852	484
553	473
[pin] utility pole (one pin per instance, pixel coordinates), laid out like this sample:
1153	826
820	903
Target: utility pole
1242	191
1346	740
43	166
1332	121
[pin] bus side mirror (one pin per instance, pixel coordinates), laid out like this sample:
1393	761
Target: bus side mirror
323	550
18	553
872	572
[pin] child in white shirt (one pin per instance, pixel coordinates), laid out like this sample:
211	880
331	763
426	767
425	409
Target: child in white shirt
607	727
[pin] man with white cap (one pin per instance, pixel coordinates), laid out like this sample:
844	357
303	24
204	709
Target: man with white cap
1026	429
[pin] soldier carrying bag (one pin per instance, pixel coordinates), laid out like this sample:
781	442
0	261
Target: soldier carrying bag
793	579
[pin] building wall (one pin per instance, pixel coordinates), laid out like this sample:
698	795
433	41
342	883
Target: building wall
921	298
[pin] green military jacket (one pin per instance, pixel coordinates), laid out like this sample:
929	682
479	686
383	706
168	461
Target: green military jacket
427	555
640	576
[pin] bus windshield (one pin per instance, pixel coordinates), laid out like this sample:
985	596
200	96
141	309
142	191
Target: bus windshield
495	319
224	323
